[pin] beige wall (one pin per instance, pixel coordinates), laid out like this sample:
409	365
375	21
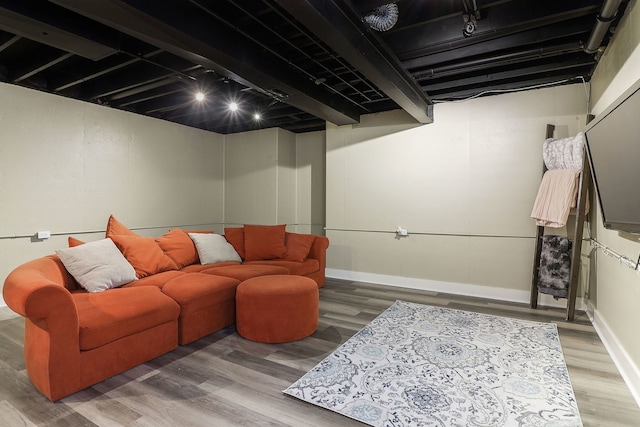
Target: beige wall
286	178
310	182
463	186
66	165
263	183
615	301
251	177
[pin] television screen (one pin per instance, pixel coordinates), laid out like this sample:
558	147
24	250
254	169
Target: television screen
613	144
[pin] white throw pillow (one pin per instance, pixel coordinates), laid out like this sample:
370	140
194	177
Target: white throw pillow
213	248
97	266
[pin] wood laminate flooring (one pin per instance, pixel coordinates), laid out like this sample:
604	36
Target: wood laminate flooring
225	380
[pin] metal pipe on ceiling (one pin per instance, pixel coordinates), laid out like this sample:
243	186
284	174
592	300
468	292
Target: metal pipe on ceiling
607	14
496	60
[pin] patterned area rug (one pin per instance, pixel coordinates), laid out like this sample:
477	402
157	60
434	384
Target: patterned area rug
419	365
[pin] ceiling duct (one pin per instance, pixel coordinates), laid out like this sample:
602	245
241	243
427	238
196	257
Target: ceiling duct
382	18
607	14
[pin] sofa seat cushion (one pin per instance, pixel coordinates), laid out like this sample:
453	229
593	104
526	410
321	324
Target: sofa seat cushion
158	280
197	291
303	268
196	268
244	271
117	313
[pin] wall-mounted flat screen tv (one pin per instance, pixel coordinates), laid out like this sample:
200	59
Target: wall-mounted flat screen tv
613	143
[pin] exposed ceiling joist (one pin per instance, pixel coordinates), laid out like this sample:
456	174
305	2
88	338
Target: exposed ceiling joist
46	63
502	19
565	65
504	59
12	20
188	33
337	25
504	87
533	37
295	64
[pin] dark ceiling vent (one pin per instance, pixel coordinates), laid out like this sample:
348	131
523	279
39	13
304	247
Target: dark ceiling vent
382	18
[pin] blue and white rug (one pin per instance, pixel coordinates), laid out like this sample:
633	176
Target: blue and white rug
419	365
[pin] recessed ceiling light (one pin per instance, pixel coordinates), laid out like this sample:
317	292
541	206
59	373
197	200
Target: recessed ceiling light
257	116
199	96
233	106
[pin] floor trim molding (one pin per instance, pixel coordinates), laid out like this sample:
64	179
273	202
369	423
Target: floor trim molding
466	289
628	370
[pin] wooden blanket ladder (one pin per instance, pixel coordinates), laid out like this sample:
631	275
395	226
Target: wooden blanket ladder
584	179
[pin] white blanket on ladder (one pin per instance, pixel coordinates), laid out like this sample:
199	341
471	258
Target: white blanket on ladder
564	153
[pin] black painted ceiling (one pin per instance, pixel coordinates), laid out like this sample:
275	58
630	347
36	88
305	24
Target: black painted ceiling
299	63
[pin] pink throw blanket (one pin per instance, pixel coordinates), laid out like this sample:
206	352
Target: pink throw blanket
556	196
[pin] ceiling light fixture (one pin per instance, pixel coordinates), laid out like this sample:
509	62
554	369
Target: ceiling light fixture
471	16
257	116
200	96
469	25
233	106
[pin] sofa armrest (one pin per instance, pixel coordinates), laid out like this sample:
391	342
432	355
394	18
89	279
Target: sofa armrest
36	290
319	250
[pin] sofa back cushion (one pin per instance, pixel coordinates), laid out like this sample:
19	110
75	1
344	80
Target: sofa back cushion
144	254
97	266
73	242
214	248
179	247
235	236
264	242
298	246
115	227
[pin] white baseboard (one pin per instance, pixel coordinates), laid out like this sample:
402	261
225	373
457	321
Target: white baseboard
466	289
627	368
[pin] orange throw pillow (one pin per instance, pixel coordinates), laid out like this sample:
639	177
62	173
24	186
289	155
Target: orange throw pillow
235	236
298	246
264	242
144	254
115	227
178	246
73	242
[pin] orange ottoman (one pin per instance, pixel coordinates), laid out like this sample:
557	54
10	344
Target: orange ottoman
277	308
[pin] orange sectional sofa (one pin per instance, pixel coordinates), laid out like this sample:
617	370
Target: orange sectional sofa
77	336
